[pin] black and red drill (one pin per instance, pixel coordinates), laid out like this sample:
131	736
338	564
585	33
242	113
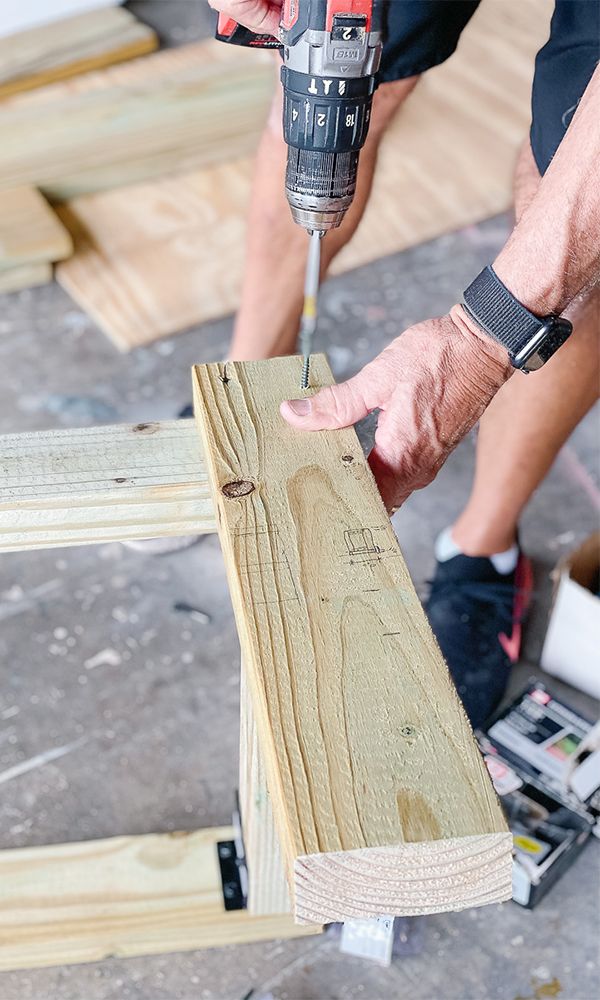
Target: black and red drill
331	51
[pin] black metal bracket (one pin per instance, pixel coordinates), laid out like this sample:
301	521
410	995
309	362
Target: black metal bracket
232	865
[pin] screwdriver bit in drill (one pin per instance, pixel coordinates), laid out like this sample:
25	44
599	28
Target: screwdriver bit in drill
309	312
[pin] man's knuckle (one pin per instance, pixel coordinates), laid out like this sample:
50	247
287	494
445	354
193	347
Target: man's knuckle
336	407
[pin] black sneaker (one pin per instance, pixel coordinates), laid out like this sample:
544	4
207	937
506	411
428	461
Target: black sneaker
476	615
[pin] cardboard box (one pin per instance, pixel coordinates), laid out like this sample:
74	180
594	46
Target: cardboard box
572	647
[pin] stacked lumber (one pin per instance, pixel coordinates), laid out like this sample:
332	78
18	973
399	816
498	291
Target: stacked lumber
171	111
69	46
156	258
18	17
32	237
378	794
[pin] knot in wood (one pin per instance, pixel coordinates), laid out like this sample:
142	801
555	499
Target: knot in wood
238	488
146	428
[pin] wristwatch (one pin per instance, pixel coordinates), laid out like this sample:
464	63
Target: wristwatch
530	340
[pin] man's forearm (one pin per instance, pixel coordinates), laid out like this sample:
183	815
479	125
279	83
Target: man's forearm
554	251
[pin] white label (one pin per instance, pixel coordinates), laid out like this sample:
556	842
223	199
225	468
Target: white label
372	939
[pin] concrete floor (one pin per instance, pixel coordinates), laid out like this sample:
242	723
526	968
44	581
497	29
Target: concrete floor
148	755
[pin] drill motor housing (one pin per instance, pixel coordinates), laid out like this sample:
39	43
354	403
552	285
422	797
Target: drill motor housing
331	53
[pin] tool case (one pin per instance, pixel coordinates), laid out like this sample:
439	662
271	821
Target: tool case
530	749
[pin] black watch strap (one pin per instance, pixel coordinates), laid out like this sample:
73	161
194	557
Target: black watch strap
529	339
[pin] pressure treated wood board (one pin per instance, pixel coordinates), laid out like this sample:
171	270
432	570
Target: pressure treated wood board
156	258
171	111
381	799
20	16
30	232
101	484
72	45
125	896
13	279
267	886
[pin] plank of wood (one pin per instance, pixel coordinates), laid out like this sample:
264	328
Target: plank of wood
69	46
100	484
157	258
133	249
30	232
32	13
171	111
381	799
13	279
125	896
267	886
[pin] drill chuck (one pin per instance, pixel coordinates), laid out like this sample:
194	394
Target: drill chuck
320	186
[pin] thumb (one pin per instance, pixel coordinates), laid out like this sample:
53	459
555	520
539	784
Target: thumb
330	408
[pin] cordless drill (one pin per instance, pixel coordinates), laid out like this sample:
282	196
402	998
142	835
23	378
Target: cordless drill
331	51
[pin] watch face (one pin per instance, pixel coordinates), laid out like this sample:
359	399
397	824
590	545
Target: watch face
556	336
543	344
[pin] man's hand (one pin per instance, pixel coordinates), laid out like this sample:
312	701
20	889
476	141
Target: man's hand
262	16
431	385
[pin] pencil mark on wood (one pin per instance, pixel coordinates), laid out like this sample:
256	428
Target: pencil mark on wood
265	561
359	541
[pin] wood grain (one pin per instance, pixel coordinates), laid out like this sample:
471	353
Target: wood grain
124	896
172	111
159	257
72	45
30	232
267	886
100	484
380	797
13	279
155	258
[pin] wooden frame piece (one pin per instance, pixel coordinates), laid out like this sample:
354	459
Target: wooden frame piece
362	789
380	797
122	896
102	484
39	56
